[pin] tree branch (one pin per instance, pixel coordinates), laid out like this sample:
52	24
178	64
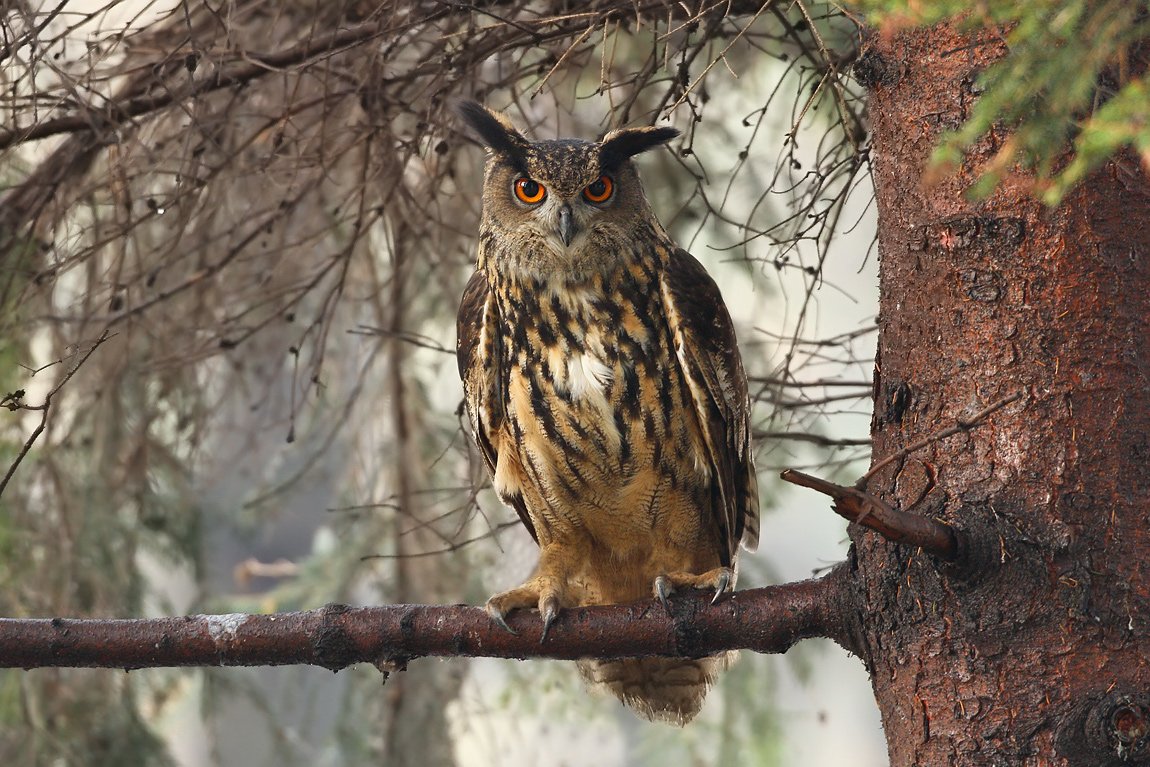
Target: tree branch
811	437
865	509
860	507
14	402
238	72
246	66
769	619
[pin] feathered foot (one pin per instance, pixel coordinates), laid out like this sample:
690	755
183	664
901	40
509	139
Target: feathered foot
720	579
541	591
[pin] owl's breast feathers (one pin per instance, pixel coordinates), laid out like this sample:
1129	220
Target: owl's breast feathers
614	410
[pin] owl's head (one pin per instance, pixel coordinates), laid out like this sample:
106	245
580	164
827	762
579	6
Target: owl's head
561	204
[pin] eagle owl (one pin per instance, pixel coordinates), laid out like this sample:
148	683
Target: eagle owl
606	395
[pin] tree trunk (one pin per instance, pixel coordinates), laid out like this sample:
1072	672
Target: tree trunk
1036	650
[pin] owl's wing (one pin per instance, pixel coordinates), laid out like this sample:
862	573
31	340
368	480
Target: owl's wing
709	357
478	352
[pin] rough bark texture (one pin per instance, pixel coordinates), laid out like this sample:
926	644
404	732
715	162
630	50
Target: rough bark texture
1037	650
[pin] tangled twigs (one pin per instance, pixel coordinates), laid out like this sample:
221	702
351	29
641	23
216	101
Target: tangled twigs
865	509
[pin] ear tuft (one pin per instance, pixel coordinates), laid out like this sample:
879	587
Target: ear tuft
493	128
618	146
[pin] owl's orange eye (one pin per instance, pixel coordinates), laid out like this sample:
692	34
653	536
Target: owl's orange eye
529	191
600	189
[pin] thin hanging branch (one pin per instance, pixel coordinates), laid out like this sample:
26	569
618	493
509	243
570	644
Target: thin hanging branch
769	619
960	425
15	401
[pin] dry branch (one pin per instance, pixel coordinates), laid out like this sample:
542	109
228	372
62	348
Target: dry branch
860	507
247	67
865	509
14	402
769	619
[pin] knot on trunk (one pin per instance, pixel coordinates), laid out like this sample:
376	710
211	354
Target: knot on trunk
1112	730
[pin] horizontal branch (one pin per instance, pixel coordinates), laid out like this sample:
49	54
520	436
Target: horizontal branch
769	619
816	439
871	512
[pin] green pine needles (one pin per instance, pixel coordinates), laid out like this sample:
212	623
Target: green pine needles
1072	91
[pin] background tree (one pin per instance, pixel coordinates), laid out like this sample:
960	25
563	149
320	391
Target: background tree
222	194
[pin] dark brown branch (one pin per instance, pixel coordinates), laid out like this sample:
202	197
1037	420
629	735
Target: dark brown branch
787	383
865	509
860	507
765	620
814	439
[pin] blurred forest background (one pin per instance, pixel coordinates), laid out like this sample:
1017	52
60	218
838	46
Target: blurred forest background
233	238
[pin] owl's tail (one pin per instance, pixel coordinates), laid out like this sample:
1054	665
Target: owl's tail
659	689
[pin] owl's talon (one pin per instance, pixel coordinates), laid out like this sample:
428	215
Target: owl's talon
720	579
664	589
540	591
549	611
497	616
722	586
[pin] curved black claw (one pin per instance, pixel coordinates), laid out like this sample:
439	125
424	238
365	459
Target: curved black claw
722	586
500	621
664	589
549	612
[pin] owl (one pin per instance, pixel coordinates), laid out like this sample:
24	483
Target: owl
606	395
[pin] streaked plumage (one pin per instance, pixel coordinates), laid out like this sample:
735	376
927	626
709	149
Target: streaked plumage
606	394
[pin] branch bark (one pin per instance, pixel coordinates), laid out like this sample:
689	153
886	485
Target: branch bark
769	619
864	509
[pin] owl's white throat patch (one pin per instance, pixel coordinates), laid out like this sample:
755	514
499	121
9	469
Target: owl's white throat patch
585	376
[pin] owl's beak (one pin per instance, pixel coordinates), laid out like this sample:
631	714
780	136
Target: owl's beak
566	225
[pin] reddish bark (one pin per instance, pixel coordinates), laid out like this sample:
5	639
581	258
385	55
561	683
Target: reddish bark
1036	650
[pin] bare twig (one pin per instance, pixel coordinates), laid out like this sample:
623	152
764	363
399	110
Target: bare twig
721	57
960	425
43	408
770	619
812	438
247	67
789	384
451	547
